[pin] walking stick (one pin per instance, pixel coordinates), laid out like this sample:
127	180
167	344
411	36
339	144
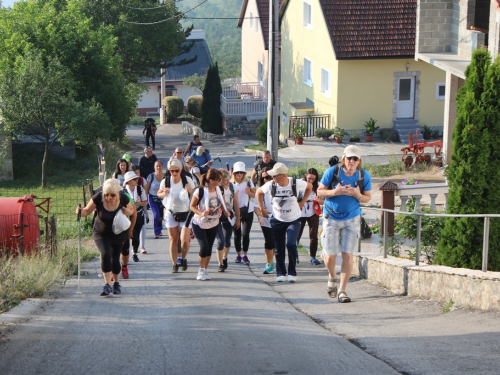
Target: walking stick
79	242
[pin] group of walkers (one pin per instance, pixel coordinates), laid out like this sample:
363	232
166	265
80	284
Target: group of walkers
192	200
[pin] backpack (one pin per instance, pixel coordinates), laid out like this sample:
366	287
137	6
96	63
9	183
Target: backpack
183	178
294	188
335	178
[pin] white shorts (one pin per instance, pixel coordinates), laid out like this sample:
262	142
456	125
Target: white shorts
171	223
340	236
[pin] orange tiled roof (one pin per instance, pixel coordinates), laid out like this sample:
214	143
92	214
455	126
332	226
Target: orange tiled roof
371	28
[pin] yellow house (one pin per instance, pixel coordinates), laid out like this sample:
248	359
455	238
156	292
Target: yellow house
344	62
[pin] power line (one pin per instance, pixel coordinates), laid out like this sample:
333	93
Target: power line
168	19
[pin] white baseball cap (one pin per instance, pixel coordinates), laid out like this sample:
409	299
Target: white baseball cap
279	168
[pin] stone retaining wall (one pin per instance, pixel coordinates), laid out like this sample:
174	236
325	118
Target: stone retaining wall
467	288
241	125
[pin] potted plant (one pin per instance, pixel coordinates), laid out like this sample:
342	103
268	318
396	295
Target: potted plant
299	132
370	129
426	131
435	133
324	133
354	137
339	133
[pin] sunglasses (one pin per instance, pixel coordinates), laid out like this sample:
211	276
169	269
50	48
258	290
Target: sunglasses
218	180
112	195
178	152
174	170
267	178
355	158
239	172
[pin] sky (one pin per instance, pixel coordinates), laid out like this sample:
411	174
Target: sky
7	3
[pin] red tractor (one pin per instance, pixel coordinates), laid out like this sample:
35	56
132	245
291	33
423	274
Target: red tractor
417	148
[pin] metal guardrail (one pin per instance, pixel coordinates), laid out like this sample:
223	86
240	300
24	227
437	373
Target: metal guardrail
419	215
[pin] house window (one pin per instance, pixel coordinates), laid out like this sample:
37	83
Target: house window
307	15
307	72
251	20
325	82
260	73
440	90
257	25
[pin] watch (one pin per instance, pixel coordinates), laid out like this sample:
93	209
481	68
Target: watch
360	199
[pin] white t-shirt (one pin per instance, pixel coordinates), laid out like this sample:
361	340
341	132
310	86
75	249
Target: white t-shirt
285	205
229	198
154	184
178	199
308	209
135	196
268	208
213	202
193	171
243	197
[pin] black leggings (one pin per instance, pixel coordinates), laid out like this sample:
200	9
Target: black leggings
313	223
110	255
206	239
224	235
243	231
268	238
135	236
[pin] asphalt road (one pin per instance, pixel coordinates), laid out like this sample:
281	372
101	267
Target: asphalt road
241	322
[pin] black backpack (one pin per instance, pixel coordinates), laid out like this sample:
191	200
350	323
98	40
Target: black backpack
366	231
184	176
294	188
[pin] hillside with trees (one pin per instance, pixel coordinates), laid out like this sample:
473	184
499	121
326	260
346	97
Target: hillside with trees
223	37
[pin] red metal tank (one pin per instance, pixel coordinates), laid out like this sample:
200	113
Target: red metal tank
10	223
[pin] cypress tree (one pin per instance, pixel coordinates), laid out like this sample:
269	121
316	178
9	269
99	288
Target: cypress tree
469	175
211	120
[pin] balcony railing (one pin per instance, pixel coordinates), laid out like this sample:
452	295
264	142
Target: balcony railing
251	90
243	107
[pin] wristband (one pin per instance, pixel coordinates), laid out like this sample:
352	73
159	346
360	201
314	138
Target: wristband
360	199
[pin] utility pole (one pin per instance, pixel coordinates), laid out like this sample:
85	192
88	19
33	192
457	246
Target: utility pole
163	120
272	77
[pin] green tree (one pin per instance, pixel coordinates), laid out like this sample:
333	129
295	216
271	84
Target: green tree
473	170
148	33
90	100
211	119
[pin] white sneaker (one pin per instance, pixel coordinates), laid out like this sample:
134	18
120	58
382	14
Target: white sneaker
291	279
280	279
205	276
201	273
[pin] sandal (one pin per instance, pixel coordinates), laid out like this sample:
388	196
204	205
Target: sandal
332	291
343	298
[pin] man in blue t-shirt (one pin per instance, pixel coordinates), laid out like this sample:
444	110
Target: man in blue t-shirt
340	186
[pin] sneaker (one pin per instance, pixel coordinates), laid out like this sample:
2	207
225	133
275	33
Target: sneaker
175	268
315	262
201	273
280	279
125	272
157	236
184	264
143	251
117	288
292	279
224	262
221	268
238	259
106	291
135	257
205	276
246	260
269	268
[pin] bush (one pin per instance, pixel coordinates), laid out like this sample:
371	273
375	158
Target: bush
323	133
194	105
174	107
262	132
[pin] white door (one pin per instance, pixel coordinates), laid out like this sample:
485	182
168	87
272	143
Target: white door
406	97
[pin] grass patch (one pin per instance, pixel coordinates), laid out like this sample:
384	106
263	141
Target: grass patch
394	167
28	276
